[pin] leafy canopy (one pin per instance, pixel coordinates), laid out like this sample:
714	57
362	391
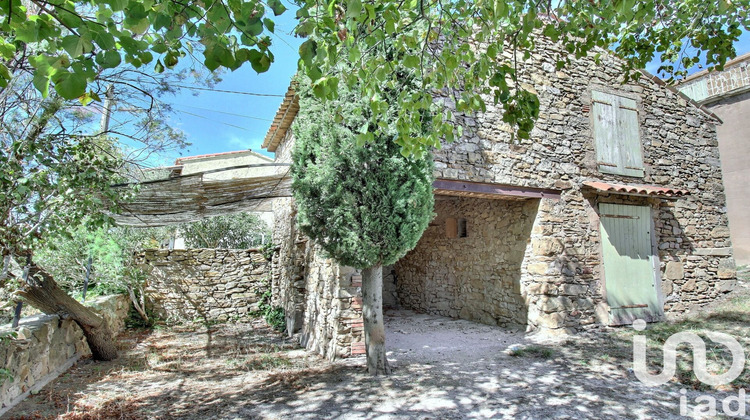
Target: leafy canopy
471	48
467	48
49	183
69	42
111	251
365	205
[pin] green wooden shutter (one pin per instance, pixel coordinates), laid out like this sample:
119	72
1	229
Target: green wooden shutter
605	130
629	137
616	133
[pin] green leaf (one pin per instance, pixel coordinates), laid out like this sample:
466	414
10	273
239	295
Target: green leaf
4	75
117	5
411	61
108	59
307	51
269	24
276	6
159	67
69	85
170	60
161	21
73	45
28	32
7	49
259	61
353	9
159	48
105	40
254	27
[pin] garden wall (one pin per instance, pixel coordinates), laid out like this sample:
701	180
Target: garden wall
47	346
204	284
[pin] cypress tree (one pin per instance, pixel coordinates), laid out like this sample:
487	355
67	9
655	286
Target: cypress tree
363	202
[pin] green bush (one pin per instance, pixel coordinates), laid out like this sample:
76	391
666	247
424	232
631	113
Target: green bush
274	315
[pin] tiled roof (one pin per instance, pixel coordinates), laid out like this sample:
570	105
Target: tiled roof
283	119
642	190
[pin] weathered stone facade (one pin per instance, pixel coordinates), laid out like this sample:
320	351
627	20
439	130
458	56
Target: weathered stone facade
562	276
46	346
539	261
204	284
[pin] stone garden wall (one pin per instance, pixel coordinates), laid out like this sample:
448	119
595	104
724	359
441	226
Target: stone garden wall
46	346
204	284
476	277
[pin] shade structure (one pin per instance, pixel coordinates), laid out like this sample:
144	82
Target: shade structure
187	198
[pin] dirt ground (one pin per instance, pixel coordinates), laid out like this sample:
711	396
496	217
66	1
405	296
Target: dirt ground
442	369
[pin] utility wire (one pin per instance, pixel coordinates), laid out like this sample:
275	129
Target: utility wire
217	122
236	92
223	112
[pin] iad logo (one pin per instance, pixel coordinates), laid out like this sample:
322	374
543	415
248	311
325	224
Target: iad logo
709	403
699	357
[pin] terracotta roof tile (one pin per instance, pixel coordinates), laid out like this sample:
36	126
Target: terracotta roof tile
644	190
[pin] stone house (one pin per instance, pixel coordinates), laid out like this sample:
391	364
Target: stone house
727	94
614	210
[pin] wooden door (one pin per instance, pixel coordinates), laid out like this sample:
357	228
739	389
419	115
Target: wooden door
629	261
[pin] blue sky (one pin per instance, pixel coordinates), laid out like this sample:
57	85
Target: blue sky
206	118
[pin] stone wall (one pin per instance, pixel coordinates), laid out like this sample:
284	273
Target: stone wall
552	264
561	279
46	346
204	284
477	277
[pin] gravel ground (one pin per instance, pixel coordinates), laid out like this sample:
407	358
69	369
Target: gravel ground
442	369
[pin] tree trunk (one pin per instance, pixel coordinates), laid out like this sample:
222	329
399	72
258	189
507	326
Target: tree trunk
139	305
41	292
372	312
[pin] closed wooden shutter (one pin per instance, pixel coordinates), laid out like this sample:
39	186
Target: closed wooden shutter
616	133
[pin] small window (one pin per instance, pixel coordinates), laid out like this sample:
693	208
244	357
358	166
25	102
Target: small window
461	228
616	134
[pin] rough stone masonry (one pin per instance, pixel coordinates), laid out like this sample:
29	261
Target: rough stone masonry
204	284
538	262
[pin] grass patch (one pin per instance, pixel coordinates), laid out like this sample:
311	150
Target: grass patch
261	362
731	317
539	352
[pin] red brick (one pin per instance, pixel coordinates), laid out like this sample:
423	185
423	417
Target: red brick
357	280
358	348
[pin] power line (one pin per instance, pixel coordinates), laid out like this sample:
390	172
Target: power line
236	92
223	112
217	122
229	91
